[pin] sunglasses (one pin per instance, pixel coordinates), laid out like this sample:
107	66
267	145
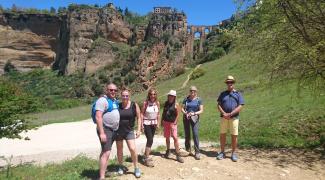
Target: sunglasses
192	91
229	82
152	94
125	96
113	90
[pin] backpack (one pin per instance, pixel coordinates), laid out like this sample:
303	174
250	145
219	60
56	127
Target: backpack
109	107
134	112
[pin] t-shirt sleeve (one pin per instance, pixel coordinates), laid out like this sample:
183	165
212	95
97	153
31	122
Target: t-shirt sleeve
219	98
200	102
184	101
101	104
240	99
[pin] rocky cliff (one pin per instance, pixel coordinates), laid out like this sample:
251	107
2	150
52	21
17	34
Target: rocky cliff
88	39
165	54
28	41
78	33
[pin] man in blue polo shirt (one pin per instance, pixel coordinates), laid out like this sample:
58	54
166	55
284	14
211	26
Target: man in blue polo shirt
230	102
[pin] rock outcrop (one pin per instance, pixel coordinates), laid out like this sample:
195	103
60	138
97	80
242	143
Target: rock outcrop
167	54
87	39
28	41
84	26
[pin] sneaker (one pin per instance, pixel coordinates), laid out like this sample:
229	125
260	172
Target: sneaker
197	156
234	157
167	154
120	171
221	156
137	172
148	162
179	159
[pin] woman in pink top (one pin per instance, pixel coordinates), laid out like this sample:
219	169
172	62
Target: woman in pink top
151	121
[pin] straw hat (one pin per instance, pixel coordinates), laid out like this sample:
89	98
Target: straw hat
172	93
230	79
193	88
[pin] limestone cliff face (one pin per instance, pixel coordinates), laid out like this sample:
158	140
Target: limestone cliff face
84	27
167	54
28	41
89	39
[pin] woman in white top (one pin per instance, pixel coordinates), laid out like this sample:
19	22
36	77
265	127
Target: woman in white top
151	121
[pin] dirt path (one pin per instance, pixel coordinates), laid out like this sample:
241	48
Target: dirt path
188	77
253	164
62	141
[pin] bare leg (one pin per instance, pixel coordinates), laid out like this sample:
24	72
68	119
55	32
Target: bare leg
133	152
234	143
222	142
147	151
103	162
168	143
176	144
119	146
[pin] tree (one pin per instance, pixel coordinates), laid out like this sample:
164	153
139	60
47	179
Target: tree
127	12
288	36
1	9
52	10
14	102
62	10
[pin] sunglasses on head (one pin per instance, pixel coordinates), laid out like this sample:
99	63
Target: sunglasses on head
113	90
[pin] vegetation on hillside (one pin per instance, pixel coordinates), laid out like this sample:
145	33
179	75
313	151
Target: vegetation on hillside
288	37
14	103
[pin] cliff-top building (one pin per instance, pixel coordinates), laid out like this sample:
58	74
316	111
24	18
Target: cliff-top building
162	10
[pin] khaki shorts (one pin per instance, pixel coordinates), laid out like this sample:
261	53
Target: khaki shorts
231	125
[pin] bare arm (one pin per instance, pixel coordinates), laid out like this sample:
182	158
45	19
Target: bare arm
183	109
236	110
100	127
158	116
178	110
200	111
142	113
139	119
220	109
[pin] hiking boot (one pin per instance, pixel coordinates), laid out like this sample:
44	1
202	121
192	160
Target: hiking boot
120	171
189	152
234	157
137	173
221	156
179	159
197	156
167	154
148	162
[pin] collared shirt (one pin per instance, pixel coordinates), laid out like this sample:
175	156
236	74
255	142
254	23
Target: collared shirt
230	100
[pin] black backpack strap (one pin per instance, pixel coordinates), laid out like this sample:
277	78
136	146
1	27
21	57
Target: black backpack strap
235	97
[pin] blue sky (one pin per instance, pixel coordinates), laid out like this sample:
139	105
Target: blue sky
199	12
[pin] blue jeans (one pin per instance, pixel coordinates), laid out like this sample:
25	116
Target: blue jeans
188	125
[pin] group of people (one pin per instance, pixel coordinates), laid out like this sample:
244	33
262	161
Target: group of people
116	121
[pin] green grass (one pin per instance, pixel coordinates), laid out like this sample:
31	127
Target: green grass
273	116
60	116
80	167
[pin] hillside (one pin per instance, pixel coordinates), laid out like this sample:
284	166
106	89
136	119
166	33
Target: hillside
295	119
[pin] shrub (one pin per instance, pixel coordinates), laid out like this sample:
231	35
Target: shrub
197	73
213	55
14	102
179	70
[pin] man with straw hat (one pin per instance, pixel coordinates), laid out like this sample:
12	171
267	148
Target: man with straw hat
230	102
